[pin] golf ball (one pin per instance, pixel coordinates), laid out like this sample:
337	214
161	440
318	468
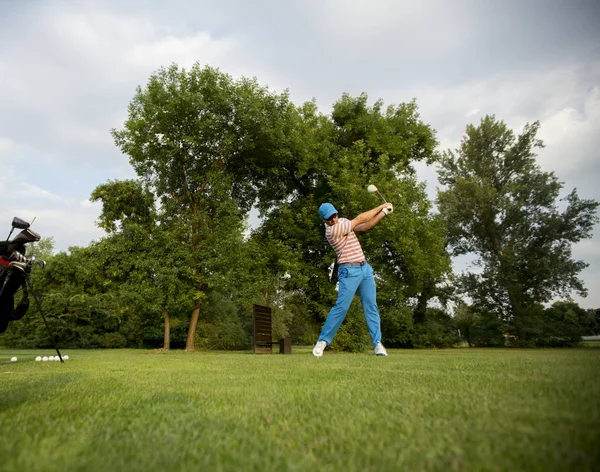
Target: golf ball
65	358
38	358
45	358
13	359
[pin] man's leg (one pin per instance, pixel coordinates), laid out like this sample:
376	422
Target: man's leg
368	297
349	280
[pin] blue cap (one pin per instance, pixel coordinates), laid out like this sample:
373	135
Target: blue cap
326	210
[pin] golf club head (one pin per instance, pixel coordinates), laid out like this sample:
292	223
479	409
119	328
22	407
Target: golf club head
373	189
40	263
19	223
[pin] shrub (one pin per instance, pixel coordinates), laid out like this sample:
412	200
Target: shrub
438	330
353	335
115	341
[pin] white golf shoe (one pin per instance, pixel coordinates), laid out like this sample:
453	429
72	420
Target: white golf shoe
379	350
319	348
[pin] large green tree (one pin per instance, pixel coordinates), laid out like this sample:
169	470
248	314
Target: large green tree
502	209
334	158
205	144
142	258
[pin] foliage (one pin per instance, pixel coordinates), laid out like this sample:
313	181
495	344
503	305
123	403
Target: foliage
359	145
353	335
501	207
559	325
207	148
563	325
203	142
397	326
592	327
437	331
479	327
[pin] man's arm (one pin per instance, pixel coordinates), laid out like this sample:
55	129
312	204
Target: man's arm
365	221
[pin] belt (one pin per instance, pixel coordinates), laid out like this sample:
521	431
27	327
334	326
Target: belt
353	264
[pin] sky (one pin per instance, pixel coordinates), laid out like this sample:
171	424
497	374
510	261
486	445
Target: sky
68	70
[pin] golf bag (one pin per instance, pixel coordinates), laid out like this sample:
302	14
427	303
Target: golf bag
15	269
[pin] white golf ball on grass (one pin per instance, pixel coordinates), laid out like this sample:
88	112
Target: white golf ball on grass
45	358
38	358
13	359
66	357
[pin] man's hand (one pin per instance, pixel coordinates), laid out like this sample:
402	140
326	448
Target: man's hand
365	221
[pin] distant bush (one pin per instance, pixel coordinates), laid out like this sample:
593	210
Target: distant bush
353	335
115	341
438	330
479	327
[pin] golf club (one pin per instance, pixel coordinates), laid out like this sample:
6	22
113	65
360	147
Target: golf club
17	223
39	305
372	189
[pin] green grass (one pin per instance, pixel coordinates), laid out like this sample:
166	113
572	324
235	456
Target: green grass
464	409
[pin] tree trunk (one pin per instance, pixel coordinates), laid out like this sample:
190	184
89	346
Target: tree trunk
420	312
190	344
167	343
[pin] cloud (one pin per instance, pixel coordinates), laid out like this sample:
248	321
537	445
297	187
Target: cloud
69	221
571	138
74	70
7	146
181	50
380	26
65	81
564	98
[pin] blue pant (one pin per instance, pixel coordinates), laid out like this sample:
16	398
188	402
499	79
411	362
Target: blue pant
351	280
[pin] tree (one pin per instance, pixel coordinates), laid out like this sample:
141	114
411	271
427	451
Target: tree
564	324
334	159
479	327
593	325
502	208
77	307
203	143
142	257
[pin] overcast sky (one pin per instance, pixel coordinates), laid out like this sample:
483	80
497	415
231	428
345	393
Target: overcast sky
68	70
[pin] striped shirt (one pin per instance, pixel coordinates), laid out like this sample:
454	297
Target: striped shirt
344	241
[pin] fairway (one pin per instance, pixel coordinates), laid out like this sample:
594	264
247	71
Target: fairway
463	409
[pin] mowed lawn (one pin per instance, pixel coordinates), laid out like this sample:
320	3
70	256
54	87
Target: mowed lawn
463	409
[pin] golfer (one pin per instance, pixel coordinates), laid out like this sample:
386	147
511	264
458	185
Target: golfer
354	273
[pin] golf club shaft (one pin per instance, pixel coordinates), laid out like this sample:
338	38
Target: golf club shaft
39	305
382	197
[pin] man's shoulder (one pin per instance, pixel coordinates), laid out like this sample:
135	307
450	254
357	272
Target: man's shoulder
343	227
345	223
